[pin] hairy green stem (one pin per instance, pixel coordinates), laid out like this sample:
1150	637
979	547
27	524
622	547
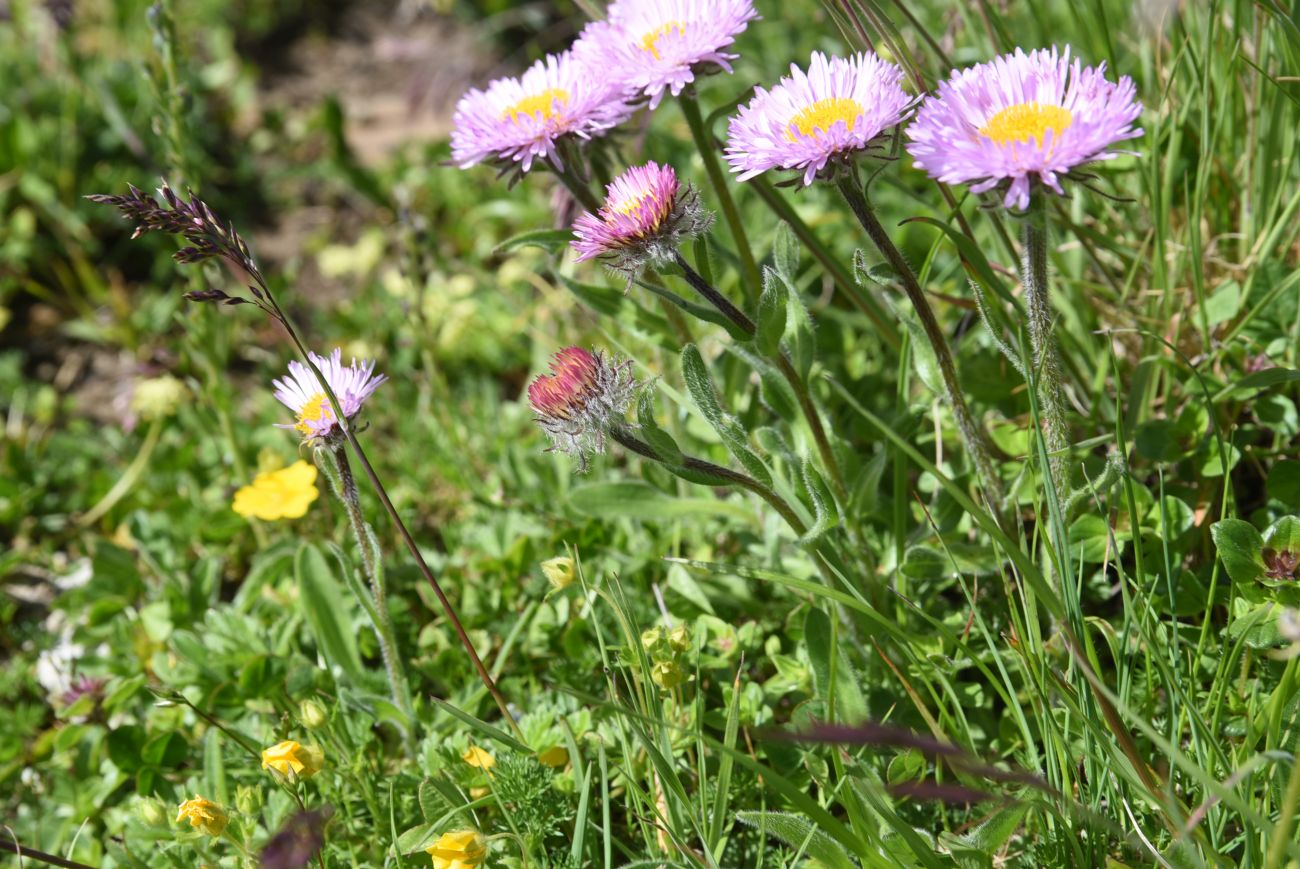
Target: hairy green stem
707	146
966	427
1047	358
787	369
367	545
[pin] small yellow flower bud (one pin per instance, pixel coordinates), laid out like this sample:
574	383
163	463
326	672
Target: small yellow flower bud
203	815
667	674
559	572
312	714
475	756
292	760
651	640
680	639
151	812
556	756
458	849
248	799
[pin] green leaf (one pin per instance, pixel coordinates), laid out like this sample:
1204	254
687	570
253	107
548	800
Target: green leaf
850	705
636	500
1240	549
553	240
1283	535
1259	380
651	433
798	832
1284	482
322	603
417	838
785	252
773	309
991	835
126	747
728	428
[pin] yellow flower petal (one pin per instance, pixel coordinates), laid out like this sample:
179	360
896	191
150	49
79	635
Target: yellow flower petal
282	494
290	759
203	815
475	756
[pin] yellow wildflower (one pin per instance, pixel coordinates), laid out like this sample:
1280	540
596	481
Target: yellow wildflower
203	815
458	849
559	572
475	756
556	756
293	760
282	494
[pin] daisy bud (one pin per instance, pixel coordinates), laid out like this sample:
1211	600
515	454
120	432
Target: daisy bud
646	216
580	399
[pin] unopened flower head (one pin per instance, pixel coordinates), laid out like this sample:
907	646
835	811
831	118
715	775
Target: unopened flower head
301	393
158	397
459	849
559	572
656	46
292	760
282	494
810	120
203	815
580	399
645	216
519	120
1019	118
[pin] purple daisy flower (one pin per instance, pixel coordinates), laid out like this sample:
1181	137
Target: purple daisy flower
1019	117
301	393
521	119
653	46
808	120
646	215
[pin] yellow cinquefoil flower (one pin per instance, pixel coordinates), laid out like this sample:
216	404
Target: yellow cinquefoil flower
475	756
282	494
293	760
559	572
458	849
203	815
556	756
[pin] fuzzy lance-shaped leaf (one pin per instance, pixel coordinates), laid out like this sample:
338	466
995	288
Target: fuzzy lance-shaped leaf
1240	549
775	390
635	500
801	339
850	705
825	516
552	240
322	603
651	433
798	832
773	311
785	252
728	428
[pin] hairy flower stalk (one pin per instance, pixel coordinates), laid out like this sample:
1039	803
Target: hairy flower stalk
333	458
967	428
1047	357
209	238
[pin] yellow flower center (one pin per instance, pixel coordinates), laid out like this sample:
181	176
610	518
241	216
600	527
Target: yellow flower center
547	104
1025	121
824	114
316	409
632	203
650	41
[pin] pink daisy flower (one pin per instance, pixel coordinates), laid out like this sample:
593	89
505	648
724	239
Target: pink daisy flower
646	215
580	399
520	119
653	46
1020	117
808	120
302	394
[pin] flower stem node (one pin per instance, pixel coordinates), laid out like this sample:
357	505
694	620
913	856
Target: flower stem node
580	399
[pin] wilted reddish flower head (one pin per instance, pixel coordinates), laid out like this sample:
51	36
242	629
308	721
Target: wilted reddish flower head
578	401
